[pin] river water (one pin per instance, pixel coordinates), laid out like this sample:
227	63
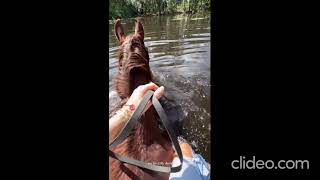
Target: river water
179	50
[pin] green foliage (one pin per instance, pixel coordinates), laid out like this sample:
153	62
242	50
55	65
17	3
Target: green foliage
122	9
132	8
172	6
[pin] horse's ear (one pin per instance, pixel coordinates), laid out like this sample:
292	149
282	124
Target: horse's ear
119	31
139	29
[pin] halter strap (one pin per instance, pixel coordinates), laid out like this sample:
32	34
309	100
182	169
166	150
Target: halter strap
130	124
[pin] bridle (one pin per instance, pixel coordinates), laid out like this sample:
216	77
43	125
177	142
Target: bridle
130	124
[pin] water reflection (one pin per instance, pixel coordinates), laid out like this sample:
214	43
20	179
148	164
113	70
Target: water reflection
179	50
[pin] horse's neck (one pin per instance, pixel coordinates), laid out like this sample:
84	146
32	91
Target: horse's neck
145	143
149	127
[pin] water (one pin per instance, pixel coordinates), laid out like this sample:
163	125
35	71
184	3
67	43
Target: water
179	50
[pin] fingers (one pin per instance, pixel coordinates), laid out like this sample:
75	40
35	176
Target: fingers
159	92
150	86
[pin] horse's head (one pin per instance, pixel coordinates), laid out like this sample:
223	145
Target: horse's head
133	58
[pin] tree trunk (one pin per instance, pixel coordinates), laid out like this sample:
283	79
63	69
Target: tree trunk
159	7
184	6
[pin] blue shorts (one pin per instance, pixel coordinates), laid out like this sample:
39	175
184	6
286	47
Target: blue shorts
192	168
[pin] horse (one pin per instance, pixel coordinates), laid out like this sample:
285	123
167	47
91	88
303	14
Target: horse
148	141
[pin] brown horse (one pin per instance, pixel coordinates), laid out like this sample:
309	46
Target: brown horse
146	142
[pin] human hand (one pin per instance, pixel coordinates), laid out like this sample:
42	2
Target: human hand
125	113
138	94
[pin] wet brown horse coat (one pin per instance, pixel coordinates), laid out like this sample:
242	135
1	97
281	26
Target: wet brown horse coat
146	142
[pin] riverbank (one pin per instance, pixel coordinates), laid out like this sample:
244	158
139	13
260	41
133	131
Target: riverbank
165	14
124	9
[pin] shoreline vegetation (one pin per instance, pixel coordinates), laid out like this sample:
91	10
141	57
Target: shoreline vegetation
119	9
